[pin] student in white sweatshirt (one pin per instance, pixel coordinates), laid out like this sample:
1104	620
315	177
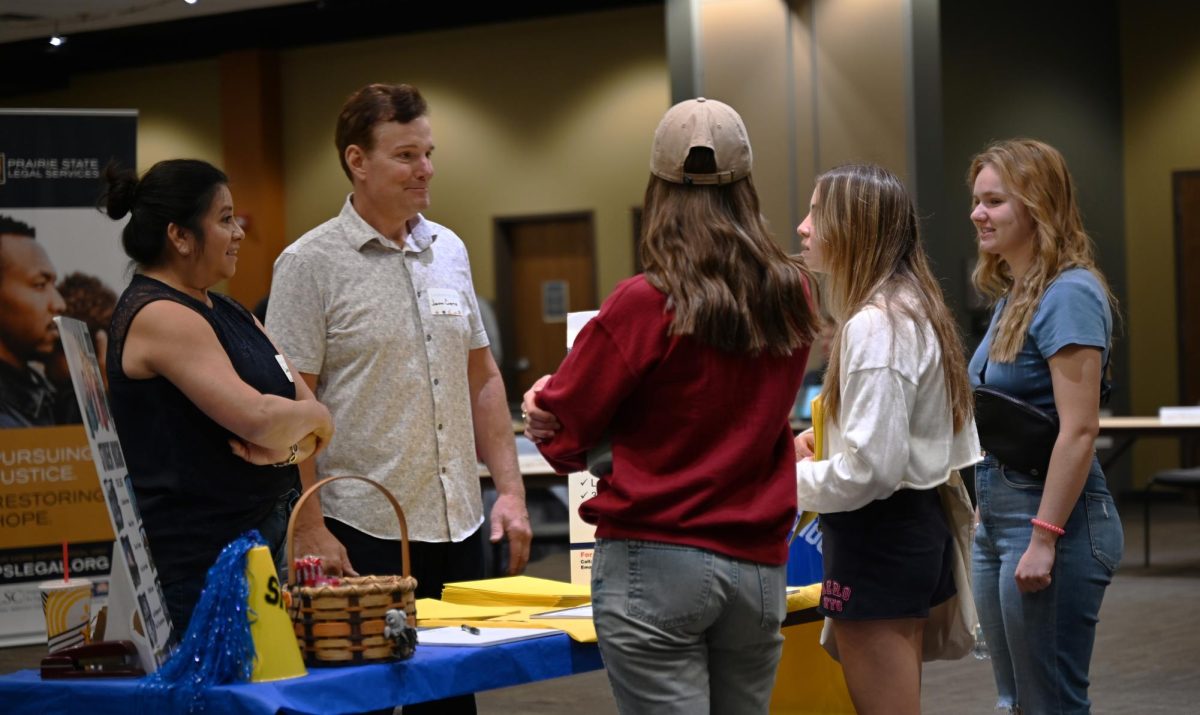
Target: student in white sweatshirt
897	419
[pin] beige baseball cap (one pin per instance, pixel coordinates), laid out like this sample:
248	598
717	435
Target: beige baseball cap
701	122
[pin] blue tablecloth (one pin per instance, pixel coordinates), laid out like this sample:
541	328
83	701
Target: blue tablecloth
434	672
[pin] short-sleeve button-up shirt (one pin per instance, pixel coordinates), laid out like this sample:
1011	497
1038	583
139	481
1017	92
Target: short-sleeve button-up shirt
387	330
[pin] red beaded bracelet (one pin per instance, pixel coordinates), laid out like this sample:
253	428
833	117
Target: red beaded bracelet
1048	526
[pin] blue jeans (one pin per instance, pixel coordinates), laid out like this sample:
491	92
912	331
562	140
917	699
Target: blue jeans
181	596
1041	643
274	531
684	630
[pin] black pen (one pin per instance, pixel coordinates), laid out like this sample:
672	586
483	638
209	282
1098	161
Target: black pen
470	629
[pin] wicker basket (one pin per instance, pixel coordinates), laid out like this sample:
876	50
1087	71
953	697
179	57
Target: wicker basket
345	624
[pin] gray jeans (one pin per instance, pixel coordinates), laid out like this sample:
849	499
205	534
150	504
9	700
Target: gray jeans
274	531
684	630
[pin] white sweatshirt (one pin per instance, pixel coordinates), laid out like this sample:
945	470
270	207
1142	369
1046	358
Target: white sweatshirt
895	430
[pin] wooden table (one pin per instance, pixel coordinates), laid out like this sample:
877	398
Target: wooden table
1126	430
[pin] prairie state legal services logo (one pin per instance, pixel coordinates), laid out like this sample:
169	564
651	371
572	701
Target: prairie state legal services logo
3	171
55	168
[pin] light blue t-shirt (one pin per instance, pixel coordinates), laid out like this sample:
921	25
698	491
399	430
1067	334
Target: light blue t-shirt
1074	311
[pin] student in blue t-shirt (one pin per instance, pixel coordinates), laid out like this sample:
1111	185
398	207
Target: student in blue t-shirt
1045	549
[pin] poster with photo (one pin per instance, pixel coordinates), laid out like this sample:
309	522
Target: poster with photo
136	610
58	256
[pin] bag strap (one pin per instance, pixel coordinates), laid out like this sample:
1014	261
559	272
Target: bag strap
1105	383
291	529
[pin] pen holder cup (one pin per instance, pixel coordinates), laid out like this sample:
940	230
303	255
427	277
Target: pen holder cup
348	624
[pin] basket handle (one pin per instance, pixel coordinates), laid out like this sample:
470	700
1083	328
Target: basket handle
291	529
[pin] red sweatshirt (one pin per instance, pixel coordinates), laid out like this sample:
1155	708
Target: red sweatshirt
702	450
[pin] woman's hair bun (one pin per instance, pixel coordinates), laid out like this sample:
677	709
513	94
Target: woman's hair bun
118	198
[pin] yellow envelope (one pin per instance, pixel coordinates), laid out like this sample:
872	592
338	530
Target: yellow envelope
517	591
433	609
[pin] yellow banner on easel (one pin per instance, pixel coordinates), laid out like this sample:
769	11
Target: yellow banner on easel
809	682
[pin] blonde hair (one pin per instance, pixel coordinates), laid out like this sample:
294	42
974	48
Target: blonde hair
873	249
728	283
1035	174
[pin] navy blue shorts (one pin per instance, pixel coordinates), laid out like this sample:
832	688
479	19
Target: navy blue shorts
893	558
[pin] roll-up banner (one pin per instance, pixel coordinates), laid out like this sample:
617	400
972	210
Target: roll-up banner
59	255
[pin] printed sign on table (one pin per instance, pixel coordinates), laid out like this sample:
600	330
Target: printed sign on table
581	486
136	607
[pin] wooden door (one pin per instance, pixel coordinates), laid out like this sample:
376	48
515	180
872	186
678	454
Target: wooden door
545	269
1187	288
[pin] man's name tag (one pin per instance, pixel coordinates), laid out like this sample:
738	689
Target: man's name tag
444	301
283	364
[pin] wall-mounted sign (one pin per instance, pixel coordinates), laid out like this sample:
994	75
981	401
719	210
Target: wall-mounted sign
556	299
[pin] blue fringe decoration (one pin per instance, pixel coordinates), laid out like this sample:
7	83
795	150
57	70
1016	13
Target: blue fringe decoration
217	648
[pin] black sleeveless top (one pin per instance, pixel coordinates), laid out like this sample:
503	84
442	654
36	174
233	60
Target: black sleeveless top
194	494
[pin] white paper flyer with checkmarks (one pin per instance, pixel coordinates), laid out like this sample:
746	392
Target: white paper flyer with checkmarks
581	486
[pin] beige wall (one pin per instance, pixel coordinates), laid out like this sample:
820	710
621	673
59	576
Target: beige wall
179	107
546	116
818	83
861	80
1161	84
804	151
744	58
535	117
557	115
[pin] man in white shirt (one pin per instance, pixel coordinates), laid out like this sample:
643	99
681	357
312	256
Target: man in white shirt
377	311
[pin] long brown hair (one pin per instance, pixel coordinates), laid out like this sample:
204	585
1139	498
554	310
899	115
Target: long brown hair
1035	174
728	283
874	256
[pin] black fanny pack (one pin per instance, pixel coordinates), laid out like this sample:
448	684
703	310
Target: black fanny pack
1019	434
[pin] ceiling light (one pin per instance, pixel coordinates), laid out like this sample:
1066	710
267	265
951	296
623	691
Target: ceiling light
191	2
57	40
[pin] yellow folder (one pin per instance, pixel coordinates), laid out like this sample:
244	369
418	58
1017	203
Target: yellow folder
818	428
517	591
818	424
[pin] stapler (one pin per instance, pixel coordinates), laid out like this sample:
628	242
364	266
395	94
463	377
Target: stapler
103	659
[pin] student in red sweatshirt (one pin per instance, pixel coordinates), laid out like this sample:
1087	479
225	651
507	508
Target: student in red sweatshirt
691	369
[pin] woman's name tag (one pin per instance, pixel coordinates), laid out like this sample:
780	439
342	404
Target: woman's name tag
283	364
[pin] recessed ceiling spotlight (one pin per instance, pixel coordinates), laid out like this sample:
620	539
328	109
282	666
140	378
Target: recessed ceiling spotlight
191	2
56	40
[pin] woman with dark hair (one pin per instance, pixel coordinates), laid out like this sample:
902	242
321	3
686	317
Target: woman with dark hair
896	410
691	369
1047	543
210	418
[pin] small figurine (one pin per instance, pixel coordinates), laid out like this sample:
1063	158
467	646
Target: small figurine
402	635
